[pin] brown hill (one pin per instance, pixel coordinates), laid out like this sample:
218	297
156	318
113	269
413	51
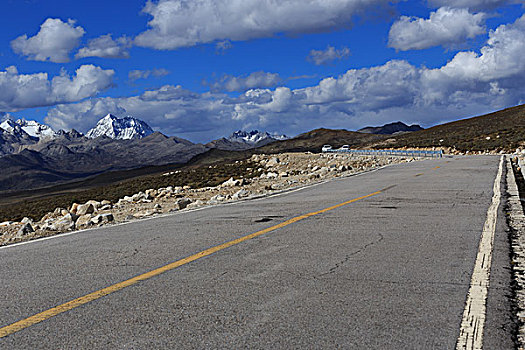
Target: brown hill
501	130
315	139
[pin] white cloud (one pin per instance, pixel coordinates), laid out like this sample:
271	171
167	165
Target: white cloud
319	57
498	67
21	91
105	47
182	23
53	42
144	74
445	27
242	83
471	83
471	4
172	108
222	46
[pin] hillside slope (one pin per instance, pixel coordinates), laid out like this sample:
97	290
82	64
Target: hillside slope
315	139
501	130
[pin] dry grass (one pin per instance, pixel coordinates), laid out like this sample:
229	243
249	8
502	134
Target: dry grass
195	176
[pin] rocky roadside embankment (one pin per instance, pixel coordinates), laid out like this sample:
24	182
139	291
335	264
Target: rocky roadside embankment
272	173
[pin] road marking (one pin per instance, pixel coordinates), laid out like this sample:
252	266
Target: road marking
437	167
44	315
471	332
418	174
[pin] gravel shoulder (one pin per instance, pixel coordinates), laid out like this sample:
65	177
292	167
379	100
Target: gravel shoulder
269	174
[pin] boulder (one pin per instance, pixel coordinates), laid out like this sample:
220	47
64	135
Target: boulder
217	199
27	220
151	193
105	202
276	186
65	223
139	197
273	162
182	203
24	230
84	221
74	208
121	202
242	193
102	219
271	175
196	204
84	209
142	214
95	204
232	182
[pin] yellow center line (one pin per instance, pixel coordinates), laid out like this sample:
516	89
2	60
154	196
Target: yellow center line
437	167
44	315
418	174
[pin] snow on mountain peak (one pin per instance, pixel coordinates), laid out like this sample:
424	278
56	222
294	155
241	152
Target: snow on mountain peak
30	127
255	136
120	128
36	129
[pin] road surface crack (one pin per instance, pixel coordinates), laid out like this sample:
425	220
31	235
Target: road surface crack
349	256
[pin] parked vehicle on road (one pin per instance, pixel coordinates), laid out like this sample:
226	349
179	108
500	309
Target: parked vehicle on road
326	148
344	148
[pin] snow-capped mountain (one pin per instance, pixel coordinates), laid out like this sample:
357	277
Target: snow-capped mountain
29	127
254	137
11	127
120	128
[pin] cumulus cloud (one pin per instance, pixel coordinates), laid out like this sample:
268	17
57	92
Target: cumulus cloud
21	91
319	57
471	83
242	83
183	23
144	74
471	4
172	108
53	42
497	69
445	27
104	46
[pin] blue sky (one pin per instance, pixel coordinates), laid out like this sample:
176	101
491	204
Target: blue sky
201	69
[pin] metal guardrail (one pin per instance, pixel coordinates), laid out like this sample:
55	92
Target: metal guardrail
388	152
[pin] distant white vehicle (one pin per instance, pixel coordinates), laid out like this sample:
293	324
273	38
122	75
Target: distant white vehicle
326	148
345	147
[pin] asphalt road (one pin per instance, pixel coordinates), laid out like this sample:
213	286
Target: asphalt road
390	271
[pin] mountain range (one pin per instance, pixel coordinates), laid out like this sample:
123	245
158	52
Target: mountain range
33	155
242	140
390	129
